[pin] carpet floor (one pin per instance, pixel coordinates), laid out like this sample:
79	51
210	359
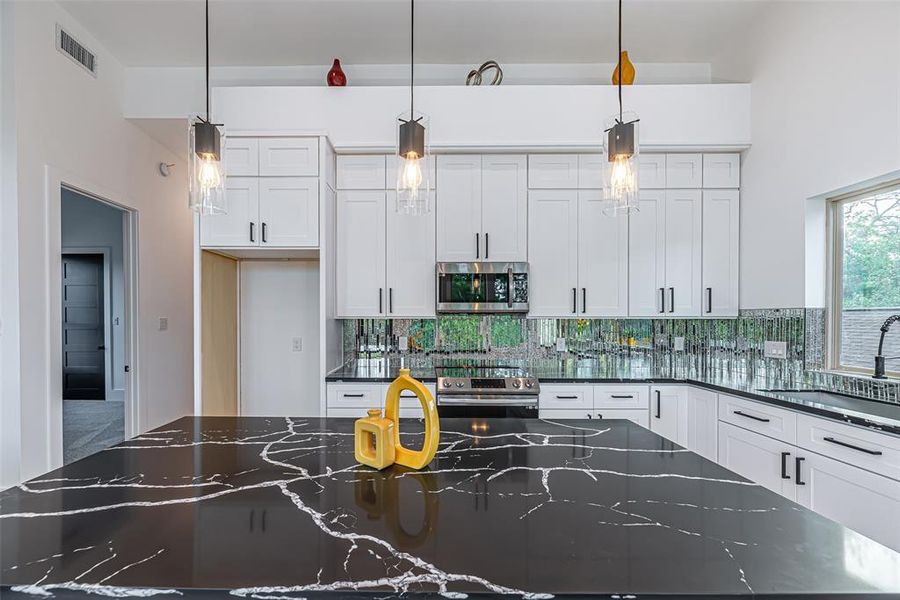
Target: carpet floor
90	426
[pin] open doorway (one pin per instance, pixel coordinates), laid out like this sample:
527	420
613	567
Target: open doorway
93	311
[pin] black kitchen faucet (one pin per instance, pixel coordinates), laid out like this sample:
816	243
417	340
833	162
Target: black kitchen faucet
879	358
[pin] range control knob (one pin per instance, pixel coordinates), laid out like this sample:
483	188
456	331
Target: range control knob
459	384
446	383
516	383
529	383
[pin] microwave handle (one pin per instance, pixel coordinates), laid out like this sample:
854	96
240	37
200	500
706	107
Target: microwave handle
509	287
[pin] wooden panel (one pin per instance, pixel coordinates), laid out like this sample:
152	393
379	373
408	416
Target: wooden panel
218	330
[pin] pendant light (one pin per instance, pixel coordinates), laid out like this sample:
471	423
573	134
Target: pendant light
620	178
207	173
413	179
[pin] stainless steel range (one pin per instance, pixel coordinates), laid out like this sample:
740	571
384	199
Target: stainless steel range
495	391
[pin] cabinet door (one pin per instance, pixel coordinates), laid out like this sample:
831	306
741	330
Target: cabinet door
863	501
238	228
652	171
720	247
602	259
668	412
646	255
504	207
590	171
553	252
759	458
289	212
458	208
553	171
684	171
561	414
636	416
360	272
410	263
722	171
289	157
684	221
361	172
241	157
703	423
569	397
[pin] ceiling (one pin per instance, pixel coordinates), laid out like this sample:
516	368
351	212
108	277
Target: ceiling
312	32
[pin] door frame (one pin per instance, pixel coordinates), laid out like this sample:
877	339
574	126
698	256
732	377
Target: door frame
106	252
54	182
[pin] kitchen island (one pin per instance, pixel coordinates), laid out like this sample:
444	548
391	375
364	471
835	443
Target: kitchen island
266	508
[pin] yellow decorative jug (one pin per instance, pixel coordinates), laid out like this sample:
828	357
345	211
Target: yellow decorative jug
626	68
374	440
415	459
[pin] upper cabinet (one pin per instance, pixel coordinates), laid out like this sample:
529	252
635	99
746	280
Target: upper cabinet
553	171
481	207
721	222
684	171
652	171
271	194
722	171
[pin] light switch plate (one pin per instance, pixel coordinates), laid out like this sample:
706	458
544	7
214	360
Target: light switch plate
775	349
561	344
297	344
403	343
679	344
163	323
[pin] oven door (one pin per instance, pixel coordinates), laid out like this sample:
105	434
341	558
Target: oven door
482	287
487	406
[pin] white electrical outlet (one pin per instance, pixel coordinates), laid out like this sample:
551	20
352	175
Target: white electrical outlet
403	343
163	323
297	344
679	344
775	349
561	344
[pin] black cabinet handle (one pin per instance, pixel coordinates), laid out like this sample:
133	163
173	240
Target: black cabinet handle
380	296
671	299
599	415
658	404
708	300
477	245
487	252
584	300
662	300
760	419
852	447
390	300
620	397
353	395
252	229
797	462
589	416
784	457
558	397
264	231
574	300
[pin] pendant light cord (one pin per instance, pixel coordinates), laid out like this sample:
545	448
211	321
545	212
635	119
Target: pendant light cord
412	56
207	61
620	62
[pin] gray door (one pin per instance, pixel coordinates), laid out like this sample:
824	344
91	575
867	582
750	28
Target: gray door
84	370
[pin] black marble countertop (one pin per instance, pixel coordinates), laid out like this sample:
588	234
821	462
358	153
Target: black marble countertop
277	508
883	416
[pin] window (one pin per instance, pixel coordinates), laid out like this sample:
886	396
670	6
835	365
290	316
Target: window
866	284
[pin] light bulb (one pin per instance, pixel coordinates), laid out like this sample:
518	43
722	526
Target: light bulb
411	172
622	180
208	176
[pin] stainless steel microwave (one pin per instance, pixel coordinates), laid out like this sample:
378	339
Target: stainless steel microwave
482	287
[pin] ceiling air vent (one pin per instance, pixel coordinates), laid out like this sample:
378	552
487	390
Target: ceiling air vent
72	48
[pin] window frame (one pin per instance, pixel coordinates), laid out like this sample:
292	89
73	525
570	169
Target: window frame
834	277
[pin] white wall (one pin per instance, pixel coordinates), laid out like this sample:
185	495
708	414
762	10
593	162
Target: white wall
73	123
825	115
87	223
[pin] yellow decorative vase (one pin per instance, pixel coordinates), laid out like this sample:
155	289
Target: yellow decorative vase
627	70
415	459
374	440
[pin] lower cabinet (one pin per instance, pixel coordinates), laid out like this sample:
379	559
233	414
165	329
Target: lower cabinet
668	412
767	461
702	423
558	414
350	400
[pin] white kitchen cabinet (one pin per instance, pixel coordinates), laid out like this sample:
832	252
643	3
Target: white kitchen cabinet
289	211
668	412
239	227
289	157
683	257
361	254
458	208
764	460
684	171
861	447
553	171
504	206
721	230
775	422
241	157
410	263
652	171
702	423
602	258
351	400
722	170
561	414
553	252
621	396
646	255
391	171
863	501
361	172
590	171
639	417
566	396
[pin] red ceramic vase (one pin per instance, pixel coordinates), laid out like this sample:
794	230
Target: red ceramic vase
336	76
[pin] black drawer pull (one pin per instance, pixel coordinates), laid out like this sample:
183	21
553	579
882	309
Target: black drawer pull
354	395
599	415
620	397
852	447
797	462
558	397
784	457
760	419
658	404
408	396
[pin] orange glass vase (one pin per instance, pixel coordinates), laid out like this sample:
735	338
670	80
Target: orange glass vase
627	70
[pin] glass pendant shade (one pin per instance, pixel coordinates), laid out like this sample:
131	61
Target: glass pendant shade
207	170
621	167
413	173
